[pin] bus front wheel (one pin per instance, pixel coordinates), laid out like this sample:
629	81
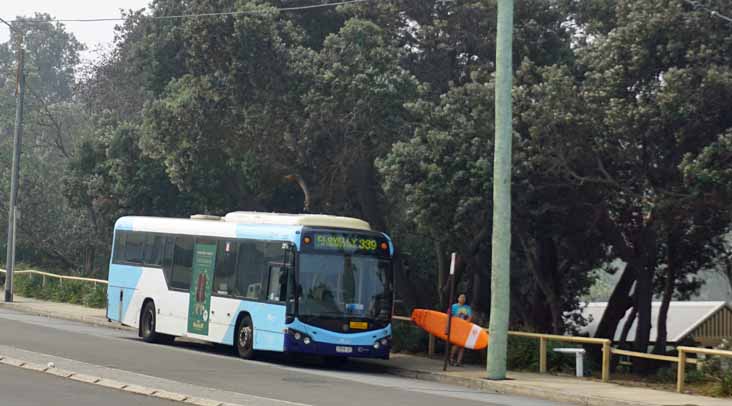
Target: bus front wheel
244	339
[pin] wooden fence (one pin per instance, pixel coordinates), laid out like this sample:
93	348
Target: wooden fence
61	278
607	352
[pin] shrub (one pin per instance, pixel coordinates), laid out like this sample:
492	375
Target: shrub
523	355
408	338
720	369
668	374
68	291
724	387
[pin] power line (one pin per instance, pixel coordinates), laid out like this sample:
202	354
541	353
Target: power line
181	16
701	6
9	25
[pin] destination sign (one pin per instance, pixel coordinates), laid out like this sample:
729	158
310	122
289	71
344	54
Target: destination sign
352	243
341	242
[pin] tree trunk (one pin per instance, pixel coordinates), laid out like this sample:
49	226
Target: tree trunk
624	338
619	303
620	300
366	187
643	299
626	329
90	253
475	291
538	314
298	180
542	262
662	332
442	273
404	287
668	291
644	295
482	264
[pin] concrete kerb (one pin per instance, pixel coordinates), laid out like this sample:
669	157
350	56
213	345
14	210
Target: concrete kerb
177	397
111	384
29	309
203	402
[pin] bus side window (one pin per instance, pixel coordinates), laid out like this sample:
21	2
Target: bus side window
134	247
225	273
119	246
249	274
253	267
277	283
153	249
182	263
167	262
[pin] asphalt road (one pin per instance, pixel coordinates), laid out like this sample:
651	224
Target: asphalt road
211	367
20	387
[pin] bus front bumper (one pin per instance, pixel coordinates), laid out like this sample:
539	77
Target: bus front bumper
338	350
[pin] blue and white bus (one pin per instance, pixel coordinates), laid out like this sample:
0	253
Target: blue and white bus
312	284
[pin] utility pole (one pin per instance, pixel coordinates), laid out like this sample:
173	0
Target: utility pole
17	138
449	309
501	252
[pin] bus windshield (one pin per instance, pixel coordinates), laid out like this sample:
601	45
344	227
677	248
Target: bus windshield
345	286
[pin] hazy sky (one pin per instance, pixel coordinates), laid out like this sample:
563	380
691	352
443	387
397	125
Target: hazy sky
91	34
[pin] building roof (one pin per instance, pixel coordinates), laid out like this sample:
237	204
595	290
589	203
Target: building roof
683	318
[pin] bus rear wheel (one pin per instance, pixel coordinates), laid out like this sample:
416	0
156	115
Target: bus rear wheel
147	326
244	338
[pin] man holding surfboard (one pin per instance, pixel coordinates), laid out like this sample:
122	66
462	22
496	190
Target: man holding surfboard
464	312
463	333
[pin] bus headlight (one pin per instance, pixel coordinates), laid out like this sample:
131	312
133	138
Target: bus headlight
384	341
299	336
377	345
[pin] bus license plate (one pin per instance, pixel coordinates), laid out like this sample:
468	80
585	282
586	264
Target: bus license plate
342	349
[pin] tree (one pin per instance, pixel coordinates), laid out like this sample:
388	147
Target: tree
440	175
49	231
353	112
655	83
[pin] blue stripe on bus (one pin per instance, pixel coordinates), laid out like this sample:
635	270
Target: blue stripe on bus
124	279
269	232
124	276
330	337
391	244
268	320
